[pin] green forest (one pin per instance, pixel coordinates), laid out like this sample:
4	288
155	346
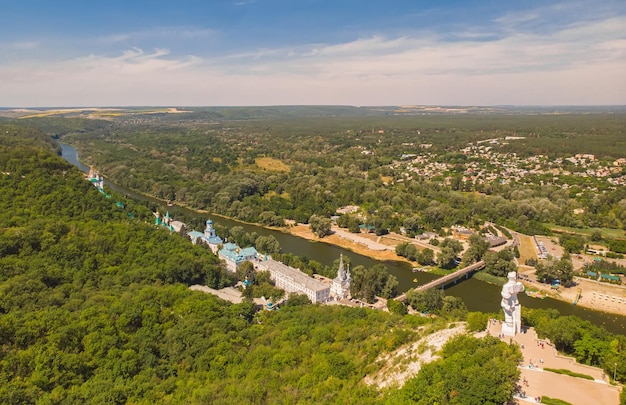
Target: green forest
95	305
95	308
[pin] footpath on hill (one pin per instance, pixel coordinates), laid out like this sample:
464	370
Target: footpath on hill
536	382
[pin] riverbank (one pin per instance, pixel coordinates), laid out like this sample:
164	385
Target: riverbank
593	295
585	293
357	244
478	295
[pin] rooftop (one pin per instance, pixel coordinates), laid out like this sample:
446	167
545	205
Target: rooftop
238	255
296	275
195	235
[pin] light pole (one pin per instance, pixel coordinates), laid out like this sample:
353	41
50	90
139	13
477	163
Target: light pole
614	371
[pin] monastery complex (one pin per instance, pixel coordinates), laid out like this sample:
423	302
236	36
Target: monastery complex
287	278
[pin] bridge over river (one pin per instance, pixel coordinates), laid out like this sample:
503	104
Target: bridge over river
442	281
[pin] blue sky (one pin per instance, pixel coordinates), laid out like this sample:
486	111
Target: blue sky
270	52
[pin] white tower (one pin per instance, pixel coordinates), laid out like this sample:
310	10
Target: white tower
340	287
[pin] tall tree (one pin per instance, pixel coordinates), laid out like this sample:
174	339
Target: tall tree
320	226
426	257
552	269
500	263
367	283
477	248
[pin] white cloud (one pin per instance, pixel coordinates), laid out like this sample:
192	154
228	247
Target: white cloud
19	45
582	63
511	19
177	32
244	2
114	38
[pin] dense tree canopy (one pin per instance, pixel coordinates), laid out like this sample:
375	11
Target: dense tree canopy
94	300
500	263
367	283
319	225
478	246
552	269
94	308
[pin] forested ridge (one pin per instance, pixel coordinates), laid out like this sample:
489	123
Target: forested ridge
95	308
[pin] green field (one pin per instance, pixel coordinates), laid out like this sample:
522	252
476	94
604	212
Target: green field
606	232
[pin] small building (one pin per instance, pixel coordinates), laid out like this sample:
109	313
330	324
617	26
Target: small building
348	209
211	238
196	237
596	252
426	236
610	278
461	233
177	226
163	221
496	241
96	179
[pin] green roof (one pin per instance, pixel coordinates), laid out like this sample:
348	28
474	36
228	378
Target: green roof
236	254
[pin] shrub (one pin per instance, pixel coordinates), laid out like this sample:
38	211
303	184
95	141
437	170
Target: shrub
553	401
477	321
569	373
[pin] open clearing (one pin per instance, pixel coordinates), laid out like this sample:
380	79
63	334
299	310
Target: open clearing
271	164
527	248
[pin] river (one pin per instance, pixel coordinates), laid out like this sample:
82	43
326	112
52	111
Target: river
477	295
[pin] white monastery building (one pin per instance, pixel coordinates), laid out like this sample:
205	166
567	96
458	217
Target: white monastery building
293	280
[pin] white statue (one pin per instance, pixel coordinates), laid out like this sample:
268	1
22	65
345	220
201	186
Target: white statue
510	305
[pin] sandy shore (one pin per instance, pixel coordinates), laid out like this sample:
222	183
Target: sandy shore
356	243
596	295
593	294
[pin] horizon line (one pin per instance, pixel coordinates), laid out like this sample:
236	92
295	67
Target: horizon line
76	107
